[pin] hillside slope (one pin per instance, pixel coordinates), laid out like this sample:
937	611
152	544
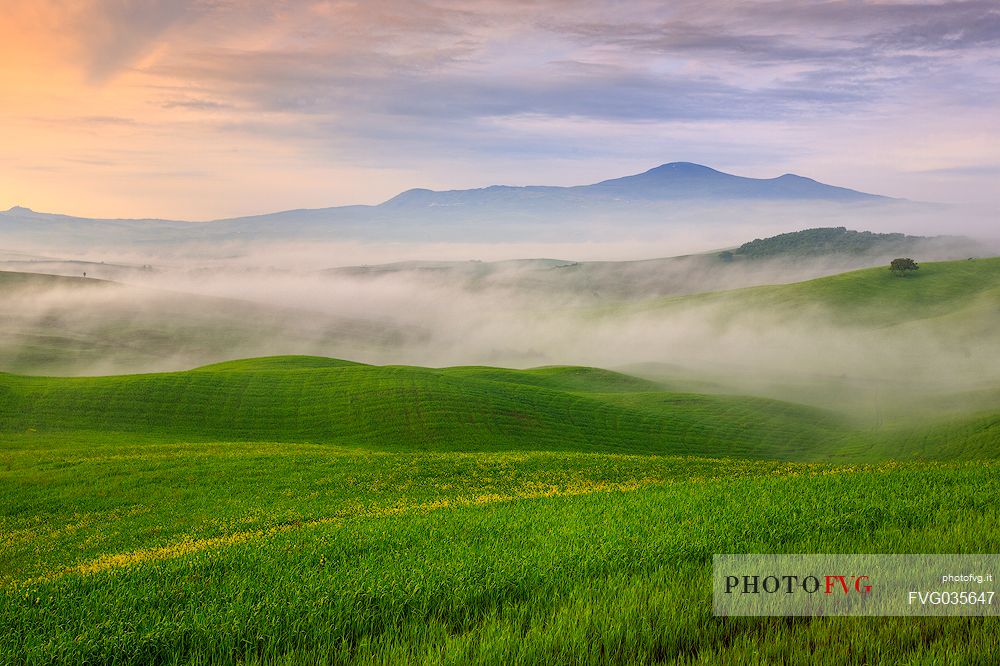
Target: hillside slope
306	399
866	341
873	295
295	399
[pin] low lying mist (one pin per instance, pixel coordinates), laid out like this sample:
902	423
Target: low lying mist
165	314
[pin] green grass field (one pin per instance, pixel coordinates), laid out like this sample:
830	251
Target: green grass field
298	509
304	509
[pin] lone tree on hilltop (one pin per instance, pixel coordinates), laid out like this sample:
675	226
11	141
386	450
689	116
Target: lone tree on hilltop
902	266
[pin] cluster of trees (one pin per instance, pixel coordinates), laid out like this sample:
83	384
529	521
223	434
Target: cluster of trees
902	266
820	241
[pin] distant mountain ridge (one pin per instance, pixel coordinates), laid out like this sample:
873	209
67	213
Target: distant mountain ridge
673	181
498	212
685	180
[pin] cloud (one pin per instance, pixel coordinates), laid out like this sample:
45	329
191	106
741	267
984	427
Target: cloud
114	34
968	170
195	104
449	90
475	60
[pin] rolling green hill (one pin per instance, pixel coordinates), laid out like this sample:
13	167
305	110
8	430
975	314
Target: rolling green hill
866	342
306	399
56	325
318	400
311	510
303	509
872	296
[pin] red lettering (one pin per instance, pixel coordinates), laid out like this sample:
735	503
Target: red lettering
831	582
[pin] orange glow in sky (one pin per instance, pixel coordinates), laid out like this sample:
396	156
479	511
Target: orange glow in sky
199	109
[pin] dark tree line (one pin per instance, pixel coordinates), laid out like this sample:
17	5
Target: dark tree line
821	241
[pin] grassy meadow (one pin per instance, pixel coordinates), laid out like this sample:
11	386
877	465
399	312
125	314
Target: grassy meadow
264	552
299	509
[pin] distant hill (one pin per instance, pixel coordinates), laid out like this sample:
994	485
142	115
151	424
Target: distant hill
868	335
684	180
674	181
762	261
668	194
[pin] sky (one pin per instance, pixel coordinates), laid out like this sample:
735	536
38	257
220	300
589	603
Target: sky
202	109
